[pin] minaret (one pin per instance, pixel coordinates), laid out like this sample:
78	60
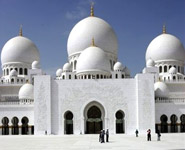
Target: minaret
92	9
20	30
164	29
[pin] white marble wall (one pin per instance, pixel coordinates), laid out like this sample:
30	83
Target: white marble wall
42	104
145	102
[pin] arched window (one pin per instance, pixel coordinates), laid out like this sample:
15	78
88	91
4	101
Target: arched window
122	76
101	76
164	124
89	76
165	68
97	76
25	71
173	119
182	118
15	126
174	77
170	67
16	69
69	76
110	76
111	64
68	122
5	126
25	125
75	77
12	80
160	69
120	122
20	71
75	64
104	76
178	68
116	75
63	77
7	72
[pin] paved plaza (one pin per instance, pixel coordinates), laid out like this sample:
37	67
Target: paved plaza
90	142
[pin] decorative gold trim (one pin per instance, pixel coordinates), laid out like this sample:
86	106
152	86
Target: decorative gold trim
164	29
20	30
92	9
92	43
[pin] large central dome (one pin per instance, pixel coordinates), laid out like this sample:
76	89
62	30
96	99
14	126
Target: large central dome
88	28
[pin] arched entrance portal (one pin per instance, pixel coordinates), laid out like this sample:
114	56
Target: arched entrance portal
120	122
68	122
94	121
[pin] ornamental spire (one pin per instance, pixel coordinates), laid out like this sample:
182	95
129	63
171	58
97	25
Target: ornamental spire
164	29
20	30
92	44
92	9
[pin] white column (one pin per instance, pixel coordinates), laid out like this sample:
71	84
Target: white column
10	130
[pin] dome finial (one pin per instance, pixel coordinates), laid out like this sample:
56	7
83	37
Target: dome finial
164	29
92	44
20	30
92	8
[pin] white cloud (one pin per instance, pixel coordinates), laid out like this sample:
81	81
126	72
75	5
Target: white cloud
80	11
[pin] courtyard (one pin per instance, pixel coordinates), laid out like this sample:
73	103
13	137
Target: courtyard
90	142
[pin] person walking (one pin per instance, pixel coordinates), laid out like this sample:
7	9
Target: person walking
137	132
100	137
158	135
149	135
107	135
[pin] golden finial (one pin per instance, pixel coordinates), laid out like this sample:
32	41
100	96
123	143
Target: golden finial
92	8
164	29
92	44
20	30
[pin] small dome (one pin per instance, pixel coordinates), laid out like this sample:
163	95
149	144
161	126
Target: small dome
118	66
87	28
165	47
19	49
150	63
173	70
67	67
13	73
35	65
93	59
127	71
26	92
58	72
161	90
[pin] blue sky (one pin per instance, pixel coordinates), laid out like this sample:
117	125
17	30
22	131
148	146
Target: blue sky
48	23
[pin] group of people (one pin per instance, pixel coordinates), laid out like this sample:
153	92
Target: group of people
102	136
149	134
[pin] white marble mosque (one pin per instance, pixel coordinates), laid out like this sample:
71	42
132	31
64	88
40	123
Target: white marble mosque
93	90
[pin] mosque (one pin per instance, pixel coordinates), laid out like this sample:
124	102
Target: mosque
93	90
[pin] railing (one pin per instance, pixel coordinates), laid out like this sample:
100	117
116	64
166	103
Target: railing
30	102
170	100
10	98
